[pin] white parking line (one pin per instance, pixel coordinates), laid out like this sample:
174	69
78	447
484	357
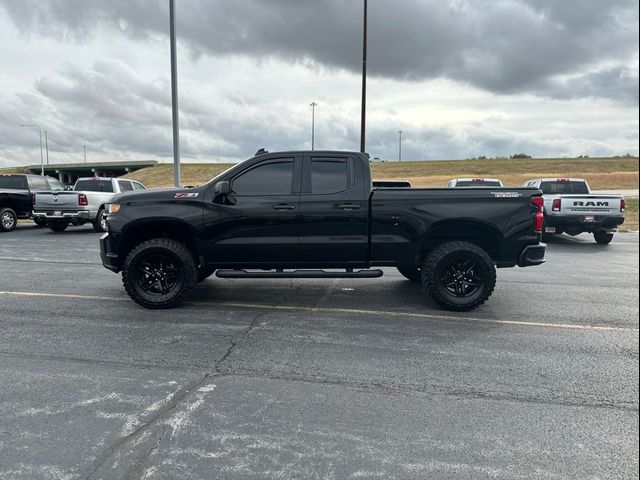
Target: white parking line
426	316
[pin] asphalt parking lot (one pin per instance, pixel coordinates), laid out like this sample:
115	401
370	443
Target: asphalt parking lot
317	378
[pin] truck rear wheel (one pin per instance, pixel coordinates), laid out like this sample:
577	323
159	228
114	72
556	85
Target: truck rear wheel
603	238
159	273
459	276
8	220
100	222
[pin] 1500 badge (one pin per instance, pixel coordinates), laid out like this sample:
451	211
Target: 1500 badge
505	194
186	195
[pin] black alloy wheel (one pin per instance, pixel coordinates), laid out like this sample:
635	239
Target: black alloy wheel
159	273
459	275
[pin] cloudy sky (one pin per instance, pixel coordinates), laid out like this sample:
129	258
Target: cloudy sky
461	78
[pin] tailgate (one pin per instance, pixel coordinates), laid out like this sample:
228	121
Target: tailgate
601	205
55	200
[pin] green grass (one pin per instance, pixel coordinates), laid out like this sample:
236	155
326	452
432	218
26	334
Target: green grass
631	216
602	173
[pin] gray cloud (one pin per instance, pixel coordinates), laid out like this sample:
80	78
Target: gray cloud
509	46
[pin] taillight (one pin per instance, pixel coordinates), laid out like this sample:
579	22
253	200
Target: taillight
33	199
622	205
557	205
538	219
82	200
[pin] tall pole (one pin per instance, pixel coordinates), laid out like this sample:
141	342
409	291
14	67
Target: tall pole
174	94
84	150
46	145
364	81
40	135
313	125
399	145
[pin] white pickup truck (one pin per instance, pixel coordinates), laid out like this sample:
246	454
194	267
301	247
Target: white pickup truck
570	207
86	203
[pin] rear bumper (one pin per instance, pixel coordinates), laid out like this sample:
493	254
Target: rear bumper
532	255
73	214
108	253
579	222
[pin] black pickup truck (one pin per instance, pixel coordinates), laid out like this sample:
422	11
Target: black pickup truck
16	197
307	214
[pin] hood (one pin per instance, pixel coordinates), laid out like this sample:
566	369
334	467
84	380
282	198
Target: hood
158	194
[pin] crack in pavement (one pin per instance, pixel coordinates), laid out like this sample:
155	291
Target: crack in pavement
137	470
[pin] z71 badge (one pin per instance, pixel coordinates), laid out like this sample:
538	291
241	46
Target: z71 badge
186	195
505	194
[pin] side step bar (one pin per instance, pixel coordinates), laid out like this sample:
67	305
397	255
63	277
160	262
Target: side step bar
298	274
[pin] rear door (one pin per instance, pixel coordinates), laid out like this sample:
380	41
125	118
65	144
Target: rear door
333	205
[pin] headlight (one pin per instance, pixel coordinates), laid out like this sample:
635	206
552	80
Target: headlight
113	208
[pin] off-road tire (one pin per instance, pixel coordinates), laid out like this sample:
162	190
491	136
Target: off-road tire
58	226
603	238
433	275
411	273
176	253
8	220
97	223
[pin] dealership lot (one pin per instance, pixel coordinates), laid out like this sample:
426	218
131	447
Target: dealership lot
317	378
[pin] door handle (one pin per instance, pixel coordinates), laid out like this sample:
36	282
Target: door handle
284	206
349	206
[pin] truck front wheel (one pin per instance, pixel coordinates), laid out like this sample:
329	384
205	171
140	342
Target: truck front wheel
459	276
159	273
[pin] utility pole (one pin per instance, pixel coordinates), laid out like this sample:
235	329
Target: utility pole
363	108
40	135
46	145
313	125
174	94
84	149
399	145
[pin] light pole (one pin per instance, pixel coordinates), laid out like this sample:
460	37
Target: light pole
399	145
363	108
84	150
46	145
313	125
174	94
40	135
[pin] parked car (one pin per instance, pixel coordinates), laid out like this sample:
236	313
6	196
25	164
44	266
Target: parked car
85	204
570	207
16	197
294	214
474	182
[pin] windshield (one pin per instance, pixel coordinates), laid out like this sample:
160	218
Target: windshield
566	188
55	184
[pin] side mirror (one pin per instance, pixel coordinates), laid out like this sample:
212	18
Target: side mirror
222	188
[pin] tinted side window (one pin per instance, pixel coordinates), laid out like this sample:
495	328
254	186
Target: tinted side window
13	182
125	186
329	176
274	178
94	186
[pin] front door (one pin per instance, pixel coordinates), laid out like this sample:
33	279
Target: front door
258	223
